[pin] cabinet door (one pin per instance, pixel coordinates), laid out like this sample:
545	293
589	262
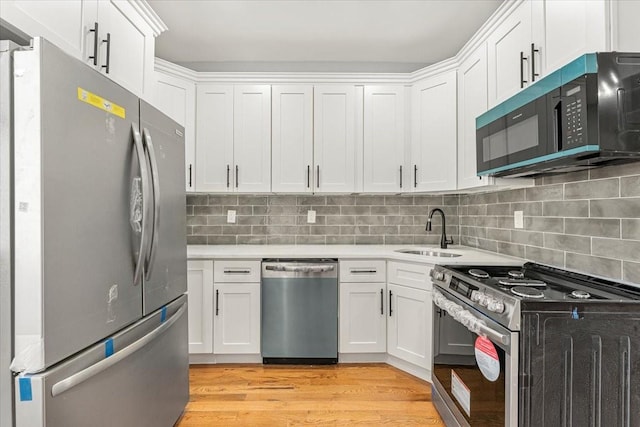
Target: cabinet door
508	73
252	138
433	147
409	325
59	21
214	137
384	124
363	325
124	53
626	31
236	318
571	28
472	102
200	298
334	138
176	98
292	139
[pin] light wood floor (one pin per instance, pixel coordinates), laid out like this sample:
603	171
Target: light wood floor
335	395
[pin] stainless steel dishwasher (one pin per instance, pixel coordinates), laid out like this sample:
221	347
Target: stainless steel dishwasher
300	311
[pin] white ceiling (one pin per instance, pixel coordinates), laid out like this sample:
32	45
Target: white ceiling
316	35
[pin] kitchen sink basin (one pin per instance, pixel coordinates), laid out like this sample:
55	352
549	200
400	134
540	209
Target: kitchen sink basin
427	252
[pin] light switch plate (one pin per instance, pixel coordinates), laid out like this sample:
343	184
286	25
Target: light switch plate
231	216
518	219
311	217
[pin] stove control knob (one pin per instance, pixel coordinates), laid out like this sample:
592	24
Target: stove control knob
475	296
438	275
496	306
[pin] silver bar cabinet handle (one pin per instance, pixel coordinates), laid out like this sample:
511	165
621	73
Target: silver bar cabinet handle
94	30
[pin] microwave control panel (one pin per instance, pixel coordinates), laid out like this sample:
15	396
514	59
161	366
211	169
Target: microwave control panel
574	114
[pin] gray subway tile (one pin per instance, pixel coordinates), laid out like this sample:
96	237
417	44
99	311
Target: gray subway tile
311	200
511	195
544	256
202	230
369	220
383	229
398	200
369	240
614	248
575	208
189	210
530	238
281	240
631	272
566	177
385	210
598	189
252	200
251	220
196	240
197	199
320	220
221	240
545	192
413	210
341	200
340	240
398	220
258	230
616	208
251	240
281	220
483	198
282	200
488	245
428	200
453	199
320	210
593	227
324	229
528	208
260	210
310	240
291	230
235	229
281	210
489	221
370	200
216	220
240	210
355	210
631	229
477	210
398	240
594	265
341	220
630	186
511	249
498	234
207	210
615	170
569	243
197	220
499	209
223	200
411	229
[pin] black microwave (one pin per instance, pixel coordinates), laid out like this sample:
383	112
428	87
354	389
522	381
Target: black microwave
583	115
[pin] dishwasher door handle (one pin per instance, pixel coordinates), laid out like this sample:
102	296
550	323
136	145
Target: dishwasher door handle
301	268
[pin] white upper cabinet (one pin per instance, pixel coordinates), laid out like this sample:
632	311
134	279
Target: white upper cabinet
292	138
334	150
214	137
472	102
59	21
626	31
177	99
233	138
433	146
564	30
384	139
252	138
509	47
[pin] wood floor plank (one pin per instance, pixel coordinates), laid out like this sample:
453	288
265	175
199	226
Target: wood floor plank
334	395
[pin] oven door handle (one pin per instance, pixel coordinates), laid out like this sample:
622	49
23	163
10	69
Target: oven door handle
466	318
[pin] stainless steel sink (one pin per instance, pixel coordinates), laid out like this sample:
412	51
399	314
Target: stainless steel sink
427	252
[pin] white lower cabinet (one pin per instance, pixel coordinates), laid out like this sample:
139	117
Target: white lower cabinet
236	318
363	324
409	325
200	300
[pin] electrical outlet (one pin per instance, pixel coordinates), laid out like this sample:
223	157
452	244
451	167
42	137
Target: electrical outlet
231	216
311	217
518	219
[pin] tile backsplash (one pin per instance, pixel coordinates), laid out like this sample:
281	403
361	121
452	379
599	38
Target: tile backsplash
356	219
587	221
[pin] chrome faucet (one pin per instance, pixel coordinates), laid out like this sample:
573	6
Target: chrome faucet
443	239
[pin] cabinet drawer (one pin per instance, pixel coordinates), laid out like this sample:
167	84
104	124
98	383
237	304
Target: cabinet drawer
413	275
245	271
362	271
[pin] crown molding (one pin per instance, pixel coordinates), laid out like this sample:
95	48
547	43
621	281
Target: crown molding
149	16
175	70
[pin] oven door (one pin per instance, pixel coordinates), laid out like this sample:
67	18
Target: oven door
475	366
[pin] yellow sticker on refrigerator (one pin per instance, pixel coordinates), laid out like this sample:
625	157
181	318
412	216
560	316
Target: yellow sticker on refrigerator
100	102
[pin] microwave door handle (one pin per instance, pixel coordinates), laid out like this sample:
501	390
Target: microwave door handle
557	125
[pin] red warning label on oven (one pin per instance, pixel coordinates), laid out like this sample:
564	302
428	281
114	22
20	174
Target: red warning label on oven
487	358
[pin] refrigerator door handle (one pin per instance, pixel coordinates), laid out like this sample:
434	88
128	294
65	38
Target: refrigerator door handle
139	217
155	181
93	370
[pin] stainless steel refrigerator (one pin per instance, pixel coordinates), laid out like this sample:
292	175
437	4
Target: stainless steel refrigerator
92	217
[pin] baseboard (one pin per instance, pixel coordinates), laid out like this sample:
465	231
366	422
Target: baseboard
362	358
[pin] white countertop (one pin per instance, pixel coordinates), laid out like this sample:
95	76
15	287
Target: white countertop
469	256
